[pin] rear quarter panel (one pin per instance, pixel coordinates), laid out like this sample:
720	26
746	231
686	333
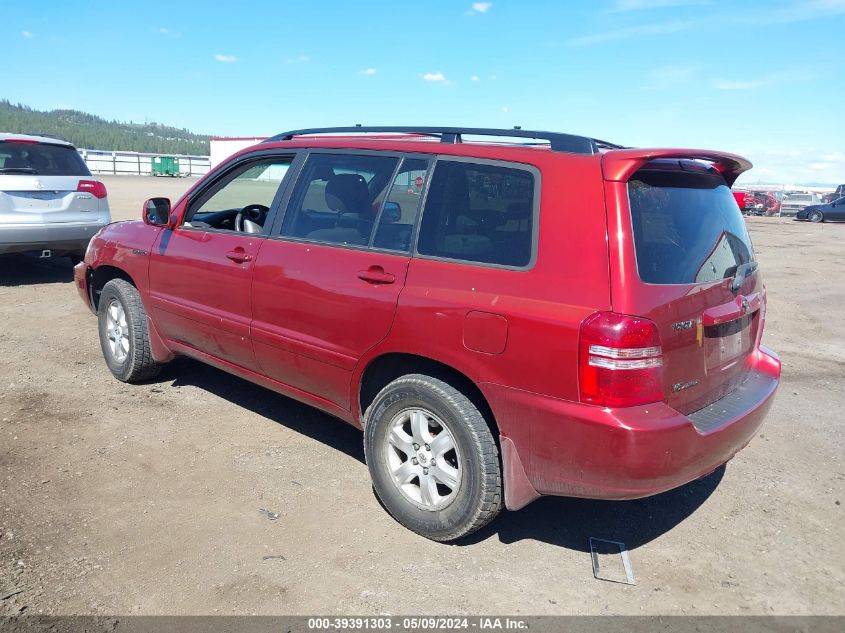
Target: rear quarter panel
542	306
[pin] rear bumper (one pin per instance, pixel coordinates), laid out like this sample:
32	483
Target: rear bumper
64	238
557	447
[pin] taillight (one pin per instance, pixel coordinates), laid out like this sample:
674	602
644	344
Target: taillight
621	362
94	187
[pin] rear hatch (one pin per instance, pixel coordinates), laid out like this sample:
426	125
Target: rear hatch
40	183
694	275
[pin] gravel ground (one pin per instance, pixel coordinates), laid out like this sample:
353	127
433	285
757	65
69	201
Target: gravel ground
204	494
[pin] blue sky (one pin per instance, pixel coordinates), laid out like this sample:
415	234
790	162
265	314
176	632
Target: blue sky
762	78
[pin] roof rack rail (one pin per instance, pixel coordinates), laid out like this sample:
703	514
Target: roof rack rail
559	142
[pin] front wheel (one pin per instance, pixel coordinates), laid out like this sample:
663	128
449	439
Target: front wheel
432	458
124	337
815	216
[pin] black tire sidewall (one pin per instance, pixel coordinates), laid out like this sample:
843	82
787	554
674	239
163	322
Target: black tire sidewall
122	370
443	524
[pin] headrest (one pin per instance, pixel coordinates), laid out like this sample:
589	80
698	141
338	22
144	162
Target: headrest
347	193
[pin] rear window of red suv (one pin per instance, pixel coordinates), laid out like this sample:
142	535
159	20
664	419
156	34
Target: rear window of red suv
687	227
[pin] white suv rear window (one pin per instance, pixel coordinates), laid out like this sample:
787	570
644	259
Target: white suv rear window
41	159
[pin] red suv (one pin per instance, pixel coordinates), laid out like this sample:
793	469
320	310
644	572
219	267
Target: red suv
503	319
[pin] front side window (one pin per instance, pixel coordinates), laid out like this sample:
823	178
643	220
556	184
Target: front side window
479	213
338	197
242	200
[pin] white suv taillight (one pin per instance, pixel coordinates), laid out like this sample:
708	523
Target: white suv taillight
621	362
94	187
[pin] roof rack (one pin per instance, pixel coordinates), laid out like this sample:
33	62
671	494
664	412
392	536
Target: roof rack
559	142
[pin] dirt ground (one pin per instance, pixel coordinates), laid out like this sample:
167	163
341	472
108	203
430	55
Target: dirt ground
203	494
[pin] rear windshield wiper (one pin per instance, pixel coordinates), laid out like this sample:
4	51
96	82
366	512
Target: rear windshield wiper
743	271
17	170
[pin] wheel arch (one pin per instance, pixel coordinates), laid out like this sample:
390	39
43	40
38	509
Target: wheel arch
386	367
100	276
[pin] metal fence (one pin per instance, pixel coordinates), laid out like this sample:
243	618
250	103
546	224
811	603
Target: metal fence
138	164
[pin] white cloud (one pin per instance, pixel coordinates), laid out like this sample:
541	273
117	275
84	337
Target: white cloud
475	78
505	109
669	76
369	72
226	59
783	77
479	7
623	6
164	31
801	10
303	58
737	84
438	76
27	35
819	166
788	166
632	31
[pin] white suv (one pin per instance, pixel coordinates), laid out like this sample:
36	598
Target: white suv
49	203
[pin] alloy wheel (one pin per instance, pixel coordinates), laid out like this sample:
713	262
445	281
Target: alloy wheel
423	459
117	331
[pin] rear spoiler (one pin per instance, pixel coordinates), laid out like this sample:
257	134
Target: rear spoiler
621	164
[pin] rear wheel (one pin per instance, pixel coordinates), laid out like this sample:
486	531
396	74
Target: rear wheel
124	337
432	458
815	216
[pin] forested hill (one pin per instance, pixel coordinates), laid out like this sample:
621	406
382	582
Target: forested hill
92	132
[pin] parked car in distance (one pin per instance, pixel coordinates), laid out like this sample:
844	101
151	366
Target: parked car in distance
757	202
792	203
49	202
835	195
742	199
823	212
502	320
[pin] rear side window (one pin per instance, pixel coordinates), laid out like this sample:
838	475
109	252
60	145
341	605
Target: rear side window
687	227
41	160
338	197
479	213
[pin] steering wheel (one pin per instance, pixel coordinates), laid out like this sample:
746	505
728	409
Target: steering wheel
256	213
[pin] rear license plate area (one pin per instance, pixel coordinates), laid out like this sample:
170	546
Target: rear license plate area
727	342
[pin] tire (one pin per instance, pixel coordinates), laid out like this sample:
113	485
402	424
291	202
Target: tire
124	338
815	216
464	490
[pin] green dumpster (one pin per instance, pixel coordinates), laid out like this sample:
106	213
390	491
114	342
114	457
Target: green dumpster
165	166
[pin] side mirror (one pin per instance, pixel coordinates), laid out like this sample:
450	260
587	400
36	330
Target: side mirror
156	212
392	212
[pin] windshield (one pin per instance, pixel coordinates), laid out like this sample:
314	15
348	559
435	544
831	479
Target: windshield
41	160
687	227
